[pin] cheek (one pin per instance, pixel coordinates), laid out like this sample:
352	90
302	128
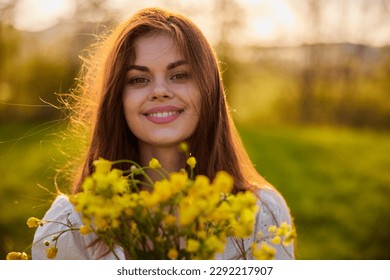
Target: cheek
193	97
129	107
196	103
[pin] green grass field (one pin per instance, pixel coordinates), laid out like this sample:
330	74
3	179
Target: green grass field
27	165
336	182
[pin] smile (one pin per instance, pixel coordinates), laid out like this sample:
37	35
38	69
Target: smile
162	114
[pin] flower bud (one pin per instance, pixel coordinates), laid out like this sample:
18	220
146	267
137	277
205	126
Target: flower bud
52	252
154	163
33	222
191	161
17	256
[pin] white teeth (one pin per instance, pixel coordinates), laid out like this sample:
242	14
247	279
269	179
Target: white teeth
162	114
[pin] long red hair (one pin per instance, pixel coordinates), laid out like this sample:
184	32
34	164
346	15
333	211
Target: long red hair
215	142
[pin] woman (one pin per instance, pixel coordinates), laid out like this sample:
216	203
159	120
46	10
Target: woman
155	81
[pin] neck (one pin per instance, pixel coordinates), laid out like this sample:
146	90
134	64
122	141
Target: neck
170	158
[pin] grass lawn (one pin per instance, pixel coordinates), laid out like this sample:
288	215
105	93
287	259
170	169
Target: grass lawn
27	165
337	184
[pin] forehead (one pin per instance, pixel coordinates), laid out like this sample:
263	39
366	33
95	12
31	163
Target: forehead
155	49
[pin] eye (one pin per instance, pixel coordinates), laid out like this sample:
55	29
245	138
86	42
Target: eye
182	76
138	81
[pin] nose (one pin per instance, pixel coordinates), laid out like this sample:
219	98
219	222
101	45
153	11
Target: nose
161	92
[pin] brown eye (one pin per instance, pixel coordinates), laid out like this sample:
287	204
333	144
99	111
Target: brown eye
138	81
180	76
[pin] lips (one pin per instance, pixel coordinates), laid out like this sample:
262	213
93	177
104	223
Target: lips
163	114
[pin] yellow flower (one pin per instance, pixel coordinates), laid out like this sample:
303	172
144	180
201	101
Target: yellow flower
178	181
33	222
102	166
290	237
247	218
200	187
188	210
133	228
87	185
192	245
162	191
85	229
154	163
183	146
201	213
191	162
246	222
173	254
148	199
201	234
52	252
276	240
223	182
272	229
214	244
17	256
284	229
169	220
264	252
222	213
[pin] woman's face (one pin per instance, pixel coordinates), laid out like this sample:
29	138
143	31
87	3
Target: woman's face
161	99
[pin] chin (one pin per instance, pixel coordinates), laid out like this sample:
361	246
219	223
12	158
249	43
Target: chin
166	142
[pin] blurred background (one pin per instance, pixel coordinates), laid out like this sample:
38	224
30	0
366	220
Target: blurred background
308	82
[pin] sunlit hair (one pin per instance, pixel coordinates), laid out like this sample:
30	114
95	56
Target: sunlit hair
215	142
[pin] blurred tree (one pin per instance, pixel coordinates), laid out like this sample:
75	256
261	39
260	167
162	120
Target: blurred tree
228	25
9	48
97	11
312	62
8	38
34	66
332	80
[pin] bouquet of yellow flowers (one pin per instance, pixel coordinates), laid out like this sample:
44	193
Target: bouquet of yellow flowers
178	217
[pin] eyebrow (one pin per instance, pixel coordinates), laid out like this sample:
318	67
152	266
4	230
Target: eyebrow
146	69
176	64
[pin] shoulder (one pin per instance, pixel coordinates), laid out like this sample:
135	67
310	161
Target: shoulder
71	244
63	210
274	211
60	216
273	206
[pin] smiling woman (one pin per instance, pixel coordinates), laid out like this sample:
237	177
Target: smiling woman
153	84
161	99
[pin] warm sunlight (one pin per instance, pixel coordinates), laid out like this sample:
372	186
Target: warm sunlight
97	97
35	15
265	22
